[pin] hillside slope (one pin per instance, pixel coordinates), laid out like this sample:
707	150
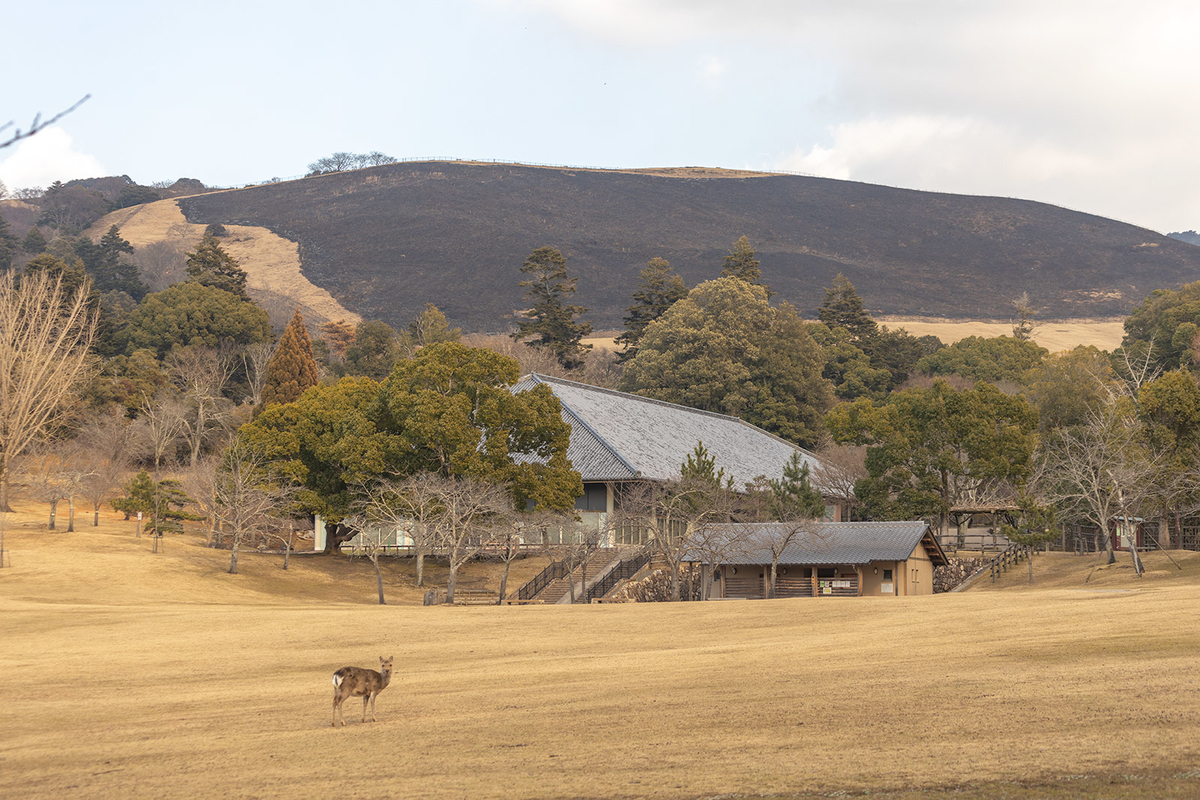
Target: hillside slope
385	240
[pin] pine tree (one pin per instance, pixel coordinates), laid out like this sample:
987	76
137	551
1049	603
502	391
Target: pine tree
659	290
210	265
741	263
292	369
35	242
8	245
554	323
843	308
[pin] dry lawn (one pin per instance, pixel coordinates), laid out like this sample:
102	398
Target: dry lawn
272	263
130	674
1055	335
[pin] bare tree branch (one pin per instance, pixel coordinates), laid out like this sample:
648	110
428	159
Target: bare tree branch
38	124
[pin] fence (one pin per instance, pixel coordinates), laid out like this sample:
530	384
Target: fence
622	570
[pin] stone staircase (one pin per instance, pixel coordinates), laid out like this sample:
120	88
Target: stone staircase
597	564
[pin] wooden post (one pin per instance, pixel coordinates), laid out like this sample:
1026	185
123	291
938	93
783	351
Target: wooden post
859	571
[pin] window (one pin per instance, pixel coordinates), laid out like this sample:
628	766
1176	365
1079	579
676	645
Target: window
595	498
826	572
887	574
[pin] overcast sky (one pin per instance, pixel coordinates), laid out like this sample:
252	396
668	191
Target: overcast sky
1091	105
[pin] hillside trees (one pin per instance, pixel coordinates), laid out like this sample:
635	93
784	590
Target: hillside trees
1165	325
45	334
554	323
742	264
930	449
431	327
724	348
210	265
659	289
374	351
190	313
1000	358
292	368
341	161
843	308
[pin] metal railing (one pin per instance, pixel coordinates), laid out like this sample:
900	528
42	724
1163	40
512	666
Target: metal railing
626	568
556	570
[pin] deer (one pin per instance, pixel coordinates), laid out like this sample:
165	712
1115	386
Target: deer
359	682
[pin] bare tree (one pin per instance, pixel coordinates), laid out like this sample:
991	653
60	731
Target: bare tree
163	263
106	451
1100	470
249	495
412	504
200	482
46	479
465	523
255	358
201	374
1023	326
161	422
371	541
38	124
839	468
677	512
45	335
776	537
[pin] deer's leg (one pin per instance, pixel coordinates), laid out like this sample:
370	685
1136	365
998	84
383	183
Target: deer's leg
373	707
336	708
365	698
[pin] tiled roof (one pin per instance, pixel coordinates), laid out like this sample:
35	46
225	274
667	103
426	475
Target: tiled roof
825	542
617	436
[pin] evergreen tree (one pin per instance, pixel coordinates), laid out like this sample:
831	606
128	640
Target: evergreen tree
843	308
659	290
210	265
741	263
8	245
555	324
35	242
374	352
793	496
292	369
108	270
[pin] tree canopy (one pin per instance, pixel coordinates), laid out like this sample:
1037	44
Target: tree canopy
292	369
660	289
724	348
1000	358
210	265
191	313
555	324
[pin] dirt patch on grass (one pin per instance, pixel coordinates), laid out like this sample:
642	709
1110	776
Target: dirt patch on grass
272	263
171	678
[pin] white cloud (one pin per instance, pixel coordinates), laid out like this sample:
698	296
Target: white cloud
47	157
711	71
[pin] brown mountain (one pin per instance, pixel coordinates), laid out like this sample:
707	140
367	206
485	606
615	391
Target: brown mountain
386	240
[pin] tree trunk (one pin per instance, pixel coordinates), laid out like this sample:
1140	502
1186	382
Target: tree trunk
70	515
287	550
233	555
774	572
4	508
451	581
674	581
335	536
1031	566
504	581
378	578
96	516
53	513
421	566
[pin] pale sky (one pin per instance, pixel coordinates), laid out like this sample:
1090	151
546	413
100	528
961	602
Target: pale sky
1090	104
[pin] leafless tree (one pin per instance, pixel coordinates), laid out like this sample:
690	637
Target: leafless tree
776	537
200	483
249	496
714	545
201	373
37	125
161	421
371	541
1101	470
516	531
255	358
106	452
45	335
676	512
838	469
162	263
464	525
412	503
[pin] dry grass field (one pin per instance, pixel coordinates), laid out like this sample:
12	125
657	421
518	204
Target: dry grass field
272	263
133	674
1054	335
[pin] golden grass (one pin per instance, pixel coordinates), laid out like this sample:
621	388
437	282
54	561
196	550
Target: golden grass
1054	335
133	674
272	263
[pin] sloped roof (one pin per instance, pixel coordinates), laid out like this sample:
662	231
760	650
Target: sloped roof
619	436
830	543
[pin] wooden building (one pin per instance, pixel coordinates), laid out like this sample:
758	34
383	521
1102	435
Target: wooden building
830	559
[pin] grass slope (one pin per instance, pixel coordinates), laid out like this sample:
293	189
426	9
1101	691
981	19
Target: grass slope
385	240
137	675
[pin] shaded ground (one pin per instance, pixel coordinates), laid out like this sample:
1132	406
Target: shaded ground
138	675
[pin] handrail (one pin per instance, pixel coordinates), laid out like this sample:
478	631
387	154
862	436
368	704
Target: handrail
556	570
626	568
1011	556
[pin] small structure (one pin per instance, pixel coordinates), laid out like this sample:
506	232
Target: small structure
832	559
618	439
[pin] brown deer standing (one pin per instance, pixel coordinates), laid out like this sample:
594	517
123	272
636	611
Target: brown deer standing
359	682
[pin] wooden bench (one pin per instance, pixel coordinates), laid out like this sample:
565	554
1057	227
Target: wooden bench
475	597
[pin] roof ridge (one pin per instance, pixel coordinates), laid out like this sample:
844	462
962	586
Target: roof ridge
666	403
575	415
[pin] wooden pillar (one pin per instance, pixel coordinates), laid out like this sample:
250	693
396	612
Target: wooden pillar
859	571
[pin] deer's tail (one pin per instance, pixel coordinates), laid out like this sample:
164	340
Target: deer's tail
337	681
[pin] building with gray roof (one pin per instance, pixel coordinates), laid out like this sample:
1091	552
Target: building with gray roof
618	438
819	558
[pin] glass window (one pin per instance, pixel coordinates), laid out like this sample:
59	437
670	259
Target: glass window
595	498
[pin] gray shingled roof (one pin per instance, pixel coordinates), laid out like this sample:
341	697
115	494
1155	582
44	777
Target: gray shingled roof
618	436
828	543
